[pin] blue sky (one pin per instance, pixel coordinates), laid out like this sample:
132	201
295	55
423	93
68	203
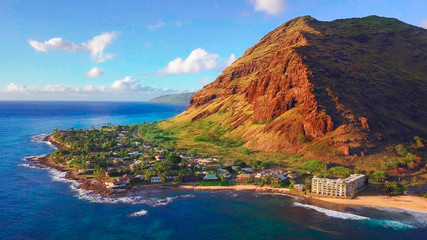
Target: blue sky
135	50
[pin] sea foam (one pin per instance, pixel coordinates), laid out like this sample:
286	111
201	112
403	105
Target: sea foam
90	196
138	214
40	138
332	213
396	225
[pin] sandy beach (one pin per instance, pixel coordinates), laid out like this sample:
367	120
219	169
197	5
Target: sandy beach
401	202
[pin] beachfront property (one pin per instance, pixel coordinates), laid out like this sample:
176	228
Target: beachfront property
299	187
224	172
170	178
210	177
347	187
242	177
156	179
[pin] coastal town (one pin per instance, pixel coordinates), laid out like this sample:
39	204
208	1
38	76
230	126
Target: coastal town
117	159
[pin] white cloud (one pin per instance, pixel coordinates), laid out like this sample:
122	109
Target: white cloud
159	25
205	80
55	44
13	87
272	7
57	88
156	26
230	60
424	24
126	84
95	46
128	89
198	60
94	72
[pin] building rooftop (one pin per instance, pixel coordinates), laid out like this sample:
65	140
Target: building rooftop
351	178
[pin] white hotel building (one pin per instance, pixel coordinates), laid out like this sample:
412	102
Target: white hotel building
347	187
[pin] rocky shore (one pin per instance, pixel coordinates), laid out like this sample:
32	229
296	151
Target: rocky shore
86	183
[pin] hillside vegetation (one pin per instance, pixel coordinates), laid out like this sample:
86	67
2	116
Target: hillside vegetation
180	98
347	92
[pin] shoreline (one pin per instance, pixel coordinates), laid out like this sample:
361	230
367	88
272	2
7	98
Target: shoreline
403	202
89	184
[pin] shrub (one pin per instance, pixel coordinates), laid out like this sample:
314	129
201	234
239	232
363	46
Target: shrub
340	171
379	176
239	162
394	188
314	166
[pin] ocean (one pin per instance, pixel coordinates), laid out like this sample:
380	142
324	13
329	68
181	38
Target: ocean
42	204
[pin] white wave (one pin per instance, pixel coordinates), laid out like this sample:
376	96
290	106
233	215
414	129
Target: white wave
29	165
36	156
90	196
59	176
396	225
41	138
332	213
138	214
187	196
414	217
349	216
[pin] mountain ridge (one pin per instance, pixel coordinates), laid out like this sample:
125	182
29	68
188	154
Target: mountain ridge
345	87
179	98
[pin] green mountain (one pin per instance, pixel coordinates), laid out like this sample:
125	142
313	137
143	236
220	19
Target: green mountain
180	98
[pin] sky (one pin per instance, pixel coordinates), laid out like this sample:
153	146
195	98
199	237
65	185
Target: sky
136	50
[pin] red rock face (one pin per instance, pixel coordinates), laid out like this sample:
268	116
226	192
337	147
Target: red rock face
280	83
321	73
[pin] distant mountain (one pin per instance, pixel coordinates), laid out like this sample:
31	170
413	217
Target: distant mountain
320	89
180	98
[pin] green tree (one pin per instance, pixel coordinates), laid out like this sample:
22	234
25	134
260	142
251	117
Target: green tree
100	174
394	188
315	166
292	183
341	172
307	183
379	176
173	161
193	152
239	162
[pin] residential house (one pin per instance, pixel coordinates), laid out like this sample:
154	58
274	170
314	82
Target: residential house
299	187
156	179
280	176
235	168
248	170
224	172
139	178
210	177
190	178
205	161
170	178
160	158
242	177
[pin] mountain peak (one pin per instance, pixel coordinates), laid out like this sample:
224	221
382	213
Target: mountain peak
351	84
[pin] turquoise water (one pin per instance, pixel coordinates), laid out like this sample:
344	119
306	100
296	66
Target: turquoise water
41	204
